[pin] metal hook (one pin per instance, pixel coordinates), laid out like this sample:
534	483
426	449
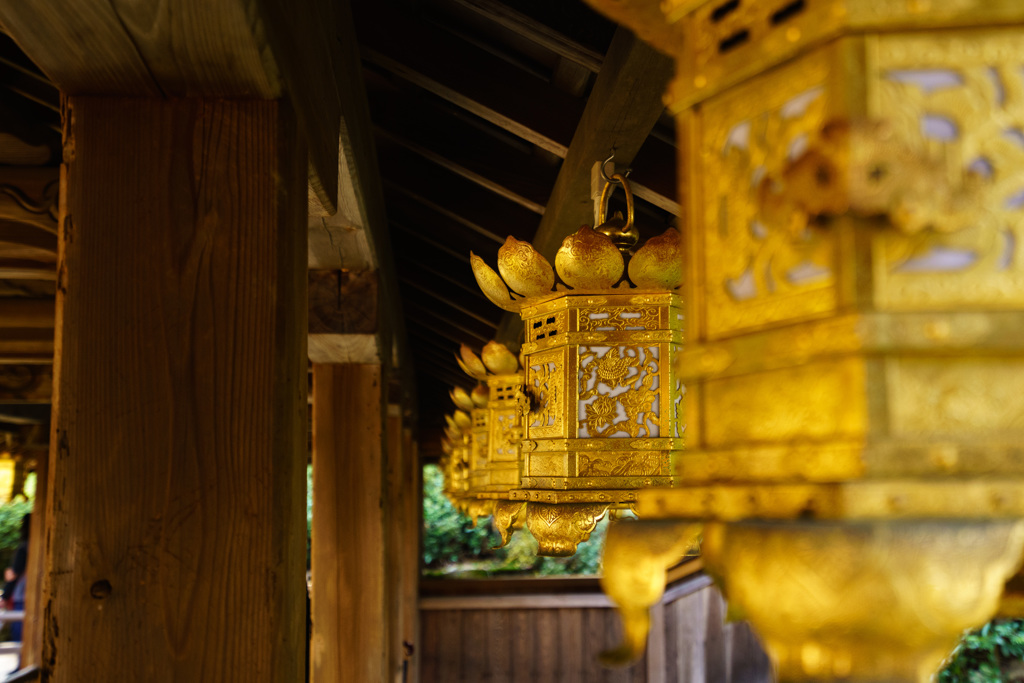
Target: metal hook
604	173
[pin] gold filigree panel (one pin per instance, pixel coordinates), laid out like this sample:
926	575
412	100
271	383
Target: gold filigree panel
820	400
545	384
618	393
957	99
618	464
760	268
619	318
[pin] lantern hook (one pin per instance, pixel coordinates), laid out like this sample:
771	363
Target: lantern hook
612	178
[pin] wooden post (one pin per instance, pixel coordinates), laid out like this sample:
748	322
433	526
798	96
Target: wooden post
32	630
395	539
175	509
412	506
348	594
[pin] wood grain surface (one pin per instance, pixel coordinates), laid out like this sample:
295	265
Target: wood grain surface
176	509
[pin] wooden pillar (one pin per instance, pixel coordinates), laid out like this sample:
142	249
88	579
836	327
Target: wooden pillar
395	537
32	630
412	507
348	594
175	514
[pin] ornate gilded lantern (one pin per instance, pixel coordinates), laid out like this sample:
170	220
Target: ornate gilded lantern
853	178
601	409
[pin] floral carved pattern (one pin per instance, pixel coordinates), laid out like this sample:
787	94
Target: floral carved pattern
618	391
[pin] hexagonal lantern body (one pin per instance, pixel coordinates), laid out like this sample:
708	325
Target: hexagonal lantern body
854	177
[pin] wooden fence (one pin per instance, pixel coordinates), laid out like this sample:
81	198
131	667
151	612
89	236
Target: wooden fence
555	637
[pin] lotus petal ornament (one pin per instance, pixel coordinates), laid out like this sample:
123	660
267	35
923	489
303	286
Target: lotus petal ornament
462	419
589	260
461	398
498	359
479	396
524	270
470	363
492	285
659	263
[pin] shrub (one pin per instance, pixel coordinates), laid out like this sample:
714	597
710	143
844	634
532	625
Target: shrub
982	656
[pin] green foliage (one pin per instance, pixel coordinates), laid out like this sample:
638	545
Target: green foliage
448	535
451	545
10	528
982	654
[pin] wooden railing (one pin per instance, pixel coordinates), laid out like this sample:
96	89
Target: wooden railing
552	630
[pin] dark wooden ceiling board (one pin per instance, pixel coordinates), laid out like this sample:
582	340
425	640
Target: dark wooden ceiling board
423	303
453	295
428	149
446	300
419	122
424	223
468	76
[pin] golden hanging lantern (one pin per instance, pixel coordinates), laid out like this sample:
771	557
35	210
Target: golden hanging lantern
854	186
601	401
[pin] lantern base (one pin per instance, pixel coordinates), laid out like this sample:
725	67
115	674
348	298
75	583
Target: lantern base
637	556
864	601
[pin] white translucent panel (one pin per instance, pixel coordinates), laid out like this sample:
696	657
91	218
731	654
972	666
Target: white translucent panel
939	259
997	85
1009	247
1015	134
928	80
797	147
743	287
1014	201
678	426
797	106
739	137
981	166
939	127
807	272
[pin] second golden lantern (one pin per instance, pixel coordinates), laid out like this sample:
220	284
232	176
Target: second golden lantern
601	402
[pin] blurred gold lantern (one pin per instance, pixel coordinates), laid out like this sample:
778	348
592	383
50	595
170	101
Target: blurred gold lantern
854	182
601	401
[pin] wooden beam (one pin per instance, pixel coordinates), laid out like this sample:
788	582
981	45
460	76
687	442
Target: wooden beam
468	77
26	269
181	327
621	111
21	344
216	48
348	593
23	240
28	313
528	27
342	302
